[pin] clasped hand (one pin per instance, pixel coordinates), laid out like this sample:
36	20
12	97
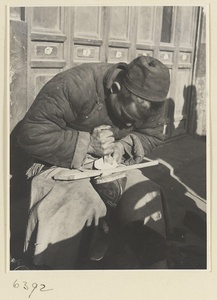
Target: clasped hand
102	143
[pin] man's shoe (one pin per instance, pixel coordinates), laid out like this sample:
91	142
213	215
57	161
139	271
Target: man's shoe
100	244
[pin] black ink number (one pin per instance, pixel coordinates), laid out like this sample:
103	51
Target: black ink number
16	284
34	285
25	285
42	289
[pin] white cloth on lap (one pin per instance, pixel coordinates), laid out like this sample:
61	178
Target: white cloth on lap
60	209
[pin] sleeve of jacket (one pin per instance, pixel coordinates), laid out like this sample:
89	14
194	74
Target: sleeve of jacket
150	133
44	132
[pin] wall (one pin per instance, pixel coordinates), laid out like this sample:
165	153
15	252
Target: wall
199	95
201	82
18	66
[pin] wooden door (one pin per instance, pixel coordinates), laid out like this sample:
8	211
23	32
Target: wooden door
61	37
178	53
47	46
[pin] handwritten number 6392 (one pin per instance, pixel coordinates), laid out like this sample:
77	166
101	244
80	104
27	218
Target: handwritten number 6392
33	287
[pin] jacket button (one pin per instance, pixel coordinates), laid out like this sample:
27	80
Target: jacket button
86	117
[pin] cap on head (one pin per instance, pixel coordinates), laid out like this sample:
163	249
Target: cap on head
147	78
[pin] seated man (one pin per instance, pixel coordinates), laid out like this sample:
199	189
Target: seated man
97	110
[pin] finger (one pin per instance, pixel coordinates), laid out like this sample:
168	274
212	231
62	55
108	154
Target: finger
96	219
102	127
108	159
89	221
106	134
108	144
138	159
137	146
117	157
107	140
108	151
129	162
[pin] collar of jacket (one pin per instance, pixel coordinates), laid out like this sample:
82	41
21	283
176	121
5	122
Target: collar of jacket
108	77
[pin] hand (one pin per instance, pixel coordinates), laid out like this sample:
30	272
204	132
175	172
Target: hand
101	141
118	152
133	147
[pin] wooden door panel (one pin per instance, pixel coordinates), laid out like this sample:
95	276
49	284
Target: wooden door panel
167	24
46	51
185	58
41	79
119	34
86	34
167	57
183	76
181	102
118	54
140	52
146	28
88	22
183	28
86	53
46	44
46	19
187	15
119	24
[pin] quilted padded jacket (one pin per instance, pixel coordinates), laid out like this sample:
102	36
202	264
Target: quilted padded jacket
56	129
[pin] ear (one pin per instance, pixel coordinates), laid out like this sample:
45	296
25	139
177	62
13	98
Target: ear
115	88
